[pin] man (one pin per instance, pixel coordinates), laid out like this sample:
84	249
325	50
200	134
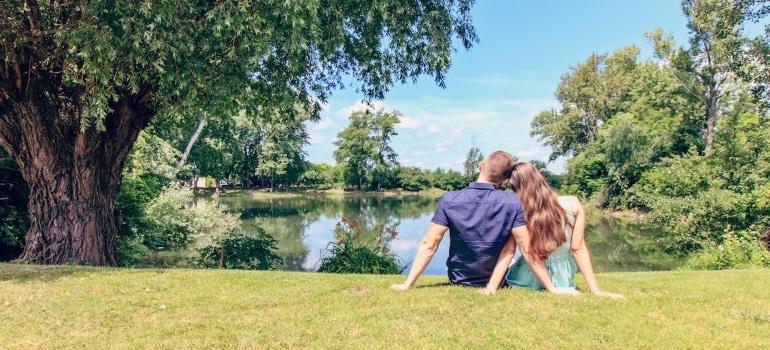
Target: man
481	221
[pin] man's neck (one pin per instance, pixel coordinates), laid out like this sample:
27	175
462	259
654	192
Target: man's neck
485	181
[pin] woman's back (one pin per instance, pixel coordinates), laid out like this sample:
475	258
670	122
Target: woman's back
560	264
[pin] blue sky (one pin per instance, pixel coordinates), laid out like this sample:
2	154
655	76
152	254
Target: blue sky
495	89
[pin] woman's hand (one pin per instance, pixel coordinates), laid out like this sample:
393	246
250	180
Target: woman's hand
487	291
402	286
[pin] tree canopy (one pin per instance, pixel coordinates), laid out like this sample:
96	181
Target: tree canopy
80	80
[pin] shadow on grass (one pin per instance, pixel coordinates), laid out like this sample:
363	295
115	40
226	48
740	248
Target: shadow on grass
44	273
438	284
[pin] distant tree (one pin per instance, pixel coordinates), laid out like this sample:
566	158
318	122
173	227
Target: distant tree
553	180
449	180
591	93
706	70
471	163
413	179
363	147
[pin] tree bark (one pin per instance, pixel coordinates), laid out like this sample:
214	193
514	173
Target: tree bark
73	176
190	143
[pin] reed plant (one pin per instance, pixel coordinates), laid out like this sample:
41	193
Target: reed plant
361	251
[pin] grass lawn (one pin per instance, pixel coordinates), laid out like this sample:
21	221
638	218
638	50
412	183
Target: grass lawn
73	307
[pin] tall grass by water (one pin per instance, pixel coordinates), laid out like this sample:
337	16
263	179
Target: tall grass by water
74	307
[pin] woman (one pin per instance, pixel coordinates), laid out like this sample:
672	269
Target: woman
557	230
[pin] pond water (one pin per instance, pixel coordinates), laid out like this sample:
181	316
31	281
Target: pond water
303	227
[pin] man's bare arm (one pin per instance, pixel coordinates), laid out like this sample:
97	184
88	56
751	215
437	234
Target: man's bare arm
425	252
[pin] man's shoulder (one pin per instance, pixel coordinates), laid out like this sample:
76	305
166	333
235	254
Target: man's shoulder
506	196
449	195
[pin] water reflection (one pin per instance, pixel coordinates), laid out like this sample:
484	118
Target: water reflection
303	227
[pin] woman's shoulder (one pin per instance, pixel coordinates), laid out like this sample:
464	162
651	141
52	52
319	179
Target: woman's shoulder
572	202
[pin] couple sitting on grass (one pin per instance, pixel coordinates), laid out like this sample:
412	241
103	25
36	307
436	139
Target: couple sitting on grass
486	225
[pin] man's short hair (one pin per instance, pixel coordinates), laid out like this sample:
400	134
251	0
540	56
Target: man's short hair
498	166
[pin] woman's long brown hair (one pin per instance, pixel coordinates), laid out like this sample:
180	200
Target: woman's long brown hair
544	216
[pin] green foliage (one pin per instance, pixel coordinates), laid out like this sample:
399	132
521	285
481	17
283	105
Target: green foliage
591	93
241	252
136	193
555	181
586	175
737	250
704	201
14	219
449	180
694	223
413	179
176	222
152	157
93	74
13	226
156	213
356	251
471	164
363	148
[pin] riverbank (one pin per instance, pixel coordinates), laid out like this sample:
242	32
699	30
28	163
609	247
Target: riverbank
333	192
69	307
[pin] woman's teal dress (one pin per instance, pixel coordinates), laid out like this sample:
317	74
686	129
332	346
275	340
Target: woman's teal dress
560	264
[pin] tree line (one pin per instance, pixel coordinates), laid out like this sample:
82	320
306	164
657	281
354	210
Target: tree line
682	137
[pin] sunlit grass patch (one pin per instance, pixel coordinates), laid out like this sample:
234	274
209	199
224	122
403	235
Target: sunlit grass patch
67	307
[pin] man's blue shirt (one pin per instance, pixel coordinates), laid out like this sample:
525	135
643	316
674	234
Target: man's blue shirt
479	219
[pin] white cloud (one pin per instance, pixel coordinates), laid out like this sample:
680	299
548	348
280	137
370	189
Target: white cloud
529	153
323	124
409	123
433	128
317	138
419	153
362	106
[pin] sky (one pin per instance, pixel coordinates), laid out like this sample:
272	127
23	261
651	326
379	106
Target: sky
495	89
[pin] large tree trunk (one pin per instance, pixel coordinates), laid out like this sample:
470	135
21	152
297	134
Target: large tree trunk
73	176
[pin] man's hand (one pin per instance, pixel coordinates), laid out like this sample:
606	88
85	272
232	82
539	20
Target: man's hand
609	295
487	291
402	286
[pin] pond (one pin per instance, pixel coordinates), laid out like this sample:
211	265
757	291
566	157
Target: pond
303	227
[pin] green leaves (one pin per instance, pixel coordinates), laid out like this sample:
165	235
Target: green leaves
363	148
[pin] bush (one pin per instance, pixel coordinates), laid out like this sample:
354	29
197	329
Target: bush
175	222
358	252
736	251
237	251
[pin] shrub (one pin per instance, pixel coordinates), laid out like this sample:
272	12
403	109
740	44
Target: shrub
356	251
739	250
238	251
175	222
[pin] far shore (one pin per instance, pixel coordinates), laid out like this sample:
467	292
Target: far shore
282	193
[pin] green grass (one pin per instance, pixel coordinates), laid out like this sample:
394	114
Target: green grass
72	307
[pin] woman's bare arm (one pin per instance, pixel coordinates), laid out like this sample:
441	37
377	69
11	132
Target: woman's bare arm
580	250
